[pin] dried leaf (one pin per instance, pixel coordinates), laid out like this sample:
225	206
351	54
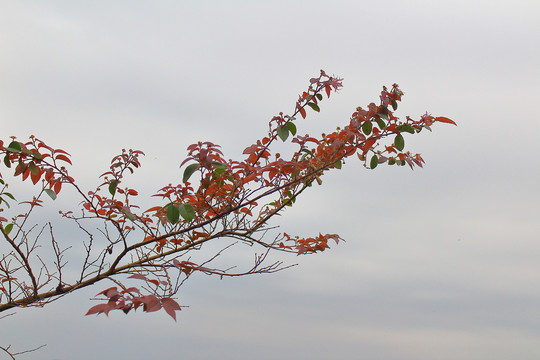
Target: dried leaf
170	307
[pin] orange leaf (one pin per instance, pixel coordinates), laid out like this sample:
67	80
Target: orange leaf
22	169
249	178
368	144
302	110
327	88
245	210
48	176
61	151
57	187
35	177
252	158
64	158
445	120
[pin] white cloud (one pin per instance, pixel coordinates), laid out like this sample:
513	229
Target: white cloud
439	263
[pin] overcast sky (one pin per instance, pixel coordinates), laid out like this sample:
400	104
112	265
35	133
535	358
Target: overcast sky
439	263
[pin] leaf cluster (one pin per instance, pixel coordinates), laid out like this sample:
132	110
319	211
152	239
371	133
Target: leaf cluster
233	199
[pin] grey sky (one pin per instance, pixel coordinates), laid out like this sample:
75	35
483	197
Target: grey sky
439	263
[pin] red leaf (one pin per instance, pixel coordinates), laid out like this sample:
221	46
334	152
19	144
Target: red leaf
251	149
130	290
302	111
22	169
301	249
170	307
334	237
57	187
35	177
64	158
60	151
368	144
150	303
49	175
445	120
245	210
177	263
101	308
249	178
112	293
138	276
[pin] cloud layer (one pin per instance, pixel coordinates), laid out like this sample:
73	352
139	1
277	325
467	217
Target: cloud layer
439	263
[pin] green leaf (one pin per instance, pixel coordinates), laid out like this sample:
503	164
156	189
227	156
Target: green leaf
283	132
129	215
14	147
51	193
220	168
319	96
219	171
187	211
394	104
307	152
338	164
219	165
291	127
290	200
189	171
406	128
374	162
367	127
314	106
391	161
8	228
380	123
112	187
6	161
399	142
173	213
